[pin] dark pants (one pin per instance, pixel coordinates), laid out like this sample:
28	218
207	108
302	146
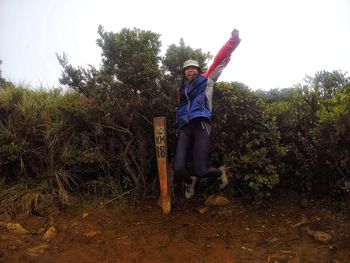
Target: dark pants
194	136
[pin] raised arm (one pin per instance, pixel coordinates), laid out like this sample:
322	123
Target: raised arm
223	57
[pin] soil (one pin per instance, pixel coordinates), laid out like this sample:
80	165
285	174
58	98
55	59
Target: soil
277	230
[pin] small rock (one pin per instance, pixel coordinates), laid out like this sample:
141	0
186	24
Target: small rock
284	256
272	239
303	221
50	234
17	228
216	200
92	233
11	247
85	215
320	236
36	251
202	209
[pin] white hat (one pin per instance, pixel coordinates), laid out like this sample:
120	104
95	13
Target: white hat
191	62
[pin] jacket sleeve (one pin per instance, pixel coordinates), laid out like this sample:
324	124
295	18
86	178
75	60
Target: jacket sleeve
222	58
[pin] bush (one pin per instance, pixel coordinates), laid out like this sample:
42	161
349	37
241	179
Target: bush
246	138
313	122
332	140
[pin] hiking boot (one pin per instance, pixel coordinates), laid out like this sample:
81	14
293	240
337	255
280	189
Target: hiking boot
189	187
218	180
223	178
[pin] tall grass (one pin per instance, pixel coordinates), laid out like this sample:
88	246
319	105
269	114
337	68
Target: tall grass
52	143
40	135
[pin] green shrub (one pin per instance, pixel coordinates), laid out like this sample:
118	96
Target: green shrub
246	138
332	139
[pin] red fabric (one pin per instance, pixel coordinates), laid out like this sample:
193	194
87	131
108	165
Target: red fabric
88	101
91	101
224	55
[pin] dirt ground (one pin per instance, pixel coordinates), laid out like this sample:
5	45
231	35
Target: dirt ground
282	229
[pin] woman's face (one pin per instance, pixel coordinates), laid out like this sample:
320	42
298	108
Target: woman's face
190	72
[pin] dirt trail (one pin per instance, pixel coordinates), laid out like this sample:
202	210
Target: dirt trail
276	231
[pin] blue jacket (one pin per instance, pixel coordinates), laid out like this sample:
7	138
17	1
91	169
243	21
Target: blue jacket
195	100
195	97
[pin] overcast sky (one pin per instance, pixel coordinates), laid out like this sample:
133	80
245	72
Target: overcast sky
282	40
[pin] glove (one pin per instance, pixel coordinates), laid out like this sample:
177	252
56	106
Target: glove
235	33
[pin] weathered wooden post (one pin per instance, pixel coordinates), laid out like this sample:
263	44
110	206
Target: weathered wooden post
160	134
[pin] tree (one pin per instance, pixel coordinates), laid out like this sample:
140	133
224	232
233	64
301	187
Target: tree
325	84
132	58
175	56
275	95
128	94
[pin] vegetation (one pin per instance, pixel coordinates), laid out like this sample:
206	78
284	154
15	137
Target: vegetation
97	138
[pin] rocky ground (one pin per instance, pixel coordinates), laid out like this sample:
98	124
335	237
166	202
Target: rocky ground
283	229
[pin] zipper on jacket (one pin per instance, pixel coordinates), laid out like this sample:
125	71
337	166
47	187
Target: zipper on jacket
189	103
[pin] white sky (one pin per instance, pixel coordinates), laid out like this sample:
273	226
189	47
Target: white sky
282	40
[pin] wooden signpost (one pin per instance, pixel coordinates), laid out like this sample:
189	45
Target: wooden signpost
162	161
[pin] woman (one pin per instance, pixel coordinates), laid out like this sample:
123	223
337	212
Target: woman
194	115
